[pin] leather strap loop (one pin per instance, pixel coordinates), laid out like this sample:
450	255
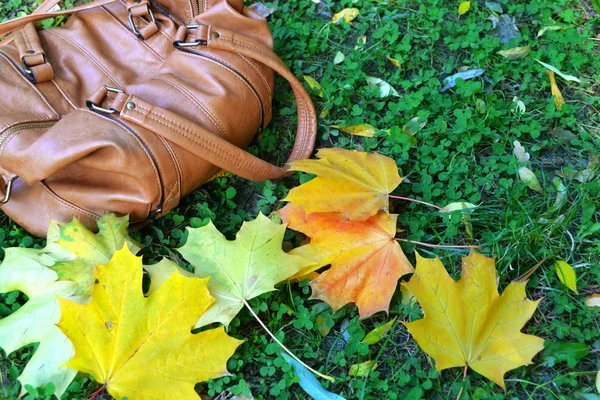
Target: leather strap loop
32	54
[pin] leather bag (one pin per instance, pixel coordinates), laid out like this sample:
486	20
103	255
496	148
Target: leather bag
133	104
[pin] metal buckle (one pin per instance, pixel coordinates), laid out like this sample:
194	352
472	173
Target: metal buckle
95	107
198	42
9	186
132	24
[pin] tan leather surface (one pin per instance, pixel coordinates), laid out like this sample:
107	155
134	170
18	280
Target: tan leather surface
170	118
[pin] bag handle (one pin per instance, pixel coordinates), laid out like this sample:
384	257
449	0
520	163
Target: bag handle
43	12
223	39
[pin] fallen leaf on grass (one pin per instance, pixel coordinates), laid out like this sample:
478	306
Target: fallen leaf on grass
364	130
351	183
240	269
467	322
566	274
378	333
314	85
385	89
528	177
593	301
559	101
91	249
545	29
347	14
362	369
139	347
339	58
516	53
464	7
466	209
556	71
308	382
366	261
45	274
395	63
520	153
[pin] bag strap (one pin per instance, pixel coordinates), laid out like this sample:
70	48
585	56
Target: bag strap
43	12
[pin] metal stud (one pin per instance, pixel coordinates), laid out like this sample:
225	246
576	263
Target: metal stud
215	35
130	106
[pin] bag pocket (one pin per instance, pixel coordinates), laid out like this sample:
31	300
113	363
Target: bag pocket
89	162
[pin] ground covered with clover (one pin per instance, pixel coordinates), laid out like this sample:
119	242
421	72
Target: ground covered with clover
453	140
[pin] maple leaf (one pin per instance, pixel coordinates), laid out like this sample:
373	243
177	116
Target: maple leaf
143	348
349	182
91	249
366	261
467	322
239	270
32	272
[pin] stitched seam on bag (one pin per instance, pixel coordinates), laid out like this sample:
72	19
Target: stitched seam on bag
56	115
301	106
64	94
260	74
175	160
67	203
262	78
214	119
196	57
88	55
6	142
155	168
215	149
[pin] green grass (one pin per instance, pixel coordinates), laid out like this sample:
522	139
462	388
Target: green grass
463	153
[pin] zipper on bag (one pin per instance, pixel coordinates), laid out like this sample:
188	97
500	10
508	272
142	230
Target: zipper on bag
31	125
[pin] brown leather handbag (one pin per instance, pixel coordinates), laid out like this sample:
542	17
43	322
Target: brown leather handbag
132	105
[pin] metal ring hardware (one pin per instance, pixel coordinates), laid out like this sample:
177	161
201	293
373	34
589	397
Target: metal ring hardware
9	186
95	107
132	24
198	42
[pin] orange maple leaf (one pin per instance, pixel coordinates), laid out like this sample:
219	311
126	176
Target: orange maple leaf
366	261
355	184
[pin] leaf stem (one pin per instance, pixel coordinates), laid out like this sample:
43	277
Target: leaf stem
418	201
329	378
438	245
97	392
463	382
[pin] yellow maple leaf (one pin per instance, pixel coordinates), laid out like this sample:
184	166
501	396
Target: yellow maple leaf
143	348
366	261
467	322
352	183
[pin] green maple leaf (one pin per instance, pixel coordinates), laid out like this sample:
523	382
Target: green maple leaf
239	270
91	249
64	268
